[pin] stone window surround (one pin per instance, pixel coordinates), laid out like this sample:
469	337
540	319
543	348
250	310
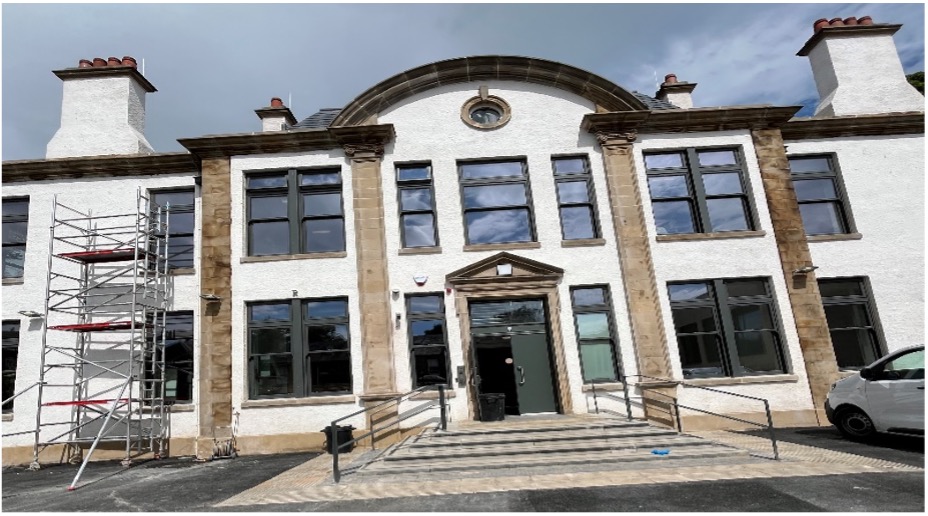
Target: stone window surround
841	191
692	168
608	308
490	101
294	200
722	305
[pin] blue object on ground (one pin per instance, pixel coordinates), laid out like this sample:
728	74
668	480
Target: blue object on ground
660	452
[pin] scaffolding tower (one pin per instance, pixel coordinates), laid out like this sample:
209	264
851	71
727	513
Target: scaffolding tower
102	377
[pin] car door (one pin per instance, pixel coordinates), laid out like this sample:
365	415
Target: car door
896	394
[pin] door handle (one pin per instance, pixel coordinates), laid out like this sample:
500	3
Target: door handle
522	374
921	388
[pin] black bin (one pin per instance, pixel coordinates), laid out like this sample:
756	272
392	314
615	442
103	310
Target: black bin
343	435
492	407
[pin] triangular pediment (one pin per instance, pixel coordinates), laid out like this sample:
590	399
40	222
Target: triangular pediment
522	269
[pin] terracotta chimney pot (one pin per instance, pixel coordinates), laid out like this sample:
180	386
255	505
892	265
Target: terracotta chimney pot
836	22
820	24
277	102
670	78
84	63
114	61
866	20
99	62
850	21
129	61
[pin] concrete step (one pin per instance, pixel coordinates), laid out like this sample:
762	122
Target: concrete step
441	439
387	467
537	425
672	441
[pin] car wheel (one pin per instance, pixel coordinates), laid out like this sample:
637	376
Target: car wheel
854	423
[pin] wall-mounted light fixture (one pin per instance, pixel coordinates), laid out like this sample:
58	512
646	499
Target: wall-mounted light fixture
210	297
805	270
30	313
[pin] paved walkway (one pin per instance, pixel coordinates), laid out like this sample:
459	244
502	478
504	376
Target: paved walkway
310	482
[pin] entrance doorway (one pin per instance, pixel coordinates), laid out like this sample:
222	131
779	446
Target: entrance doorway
512	355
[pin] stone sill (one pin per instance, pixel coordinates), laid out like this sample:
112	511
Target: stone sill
298	402
711	236
584	242
181	407
502	247
285	257
186	271
770	378
7	417
13	281
834	238
419	250
611	387
432	395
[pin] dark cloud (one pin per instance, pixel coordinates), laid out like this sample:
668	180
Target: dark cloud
214	64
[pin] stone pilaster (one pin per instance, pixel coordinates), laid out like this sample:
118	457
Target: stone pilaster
214	361
650	341
373	281
804	297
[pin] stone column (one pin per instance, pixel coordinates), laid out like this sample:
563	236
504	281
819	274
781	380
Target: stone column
373	283
214	361
804	297
641	292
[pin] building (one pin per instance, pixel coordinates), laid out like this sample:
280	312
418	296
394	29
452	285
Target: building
499	225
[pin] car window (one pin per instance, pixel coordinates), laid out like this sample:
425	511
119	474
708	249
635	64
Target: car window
910	366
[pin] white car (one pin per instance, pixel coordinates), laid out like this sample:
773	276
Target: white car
886	396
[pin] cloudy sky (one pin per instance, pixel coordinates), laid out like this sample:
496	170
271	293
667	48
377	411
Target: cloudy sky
214	64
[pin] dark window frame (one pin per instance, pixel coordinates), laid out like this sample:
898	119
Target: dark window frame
300	354
24	243
416	184
524	179
8	344
693	172
183	208
295	218
169	364
427	316
607	308
869	301
721	305
834	173
586	176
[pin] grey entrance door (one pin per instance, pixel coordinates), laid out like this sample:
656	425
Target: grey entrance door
533	373
512	353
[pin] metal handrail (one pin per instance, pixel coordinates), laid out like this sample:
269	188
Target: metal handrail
677	406
335	447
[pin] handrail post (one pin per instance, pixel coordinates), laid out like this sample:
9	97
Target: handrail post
628	399
676	411
442	409
333	447
773	437
595	400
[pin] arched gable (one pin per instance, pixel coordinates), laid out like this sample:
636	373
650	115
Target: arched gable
604	93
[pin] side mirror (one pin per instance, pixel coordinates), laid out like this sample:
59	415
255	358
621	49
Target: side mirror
866	373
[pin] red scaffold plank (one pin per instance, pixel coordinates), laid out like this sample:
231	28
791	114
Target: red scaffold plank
107	255
103	326
81	402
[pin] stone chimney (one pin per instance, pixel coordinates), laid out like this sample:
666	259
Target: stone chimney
102	110
857	69
275	117
679	94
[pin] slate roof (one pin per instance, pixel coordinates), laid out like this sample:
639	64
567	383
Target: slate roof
324	117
